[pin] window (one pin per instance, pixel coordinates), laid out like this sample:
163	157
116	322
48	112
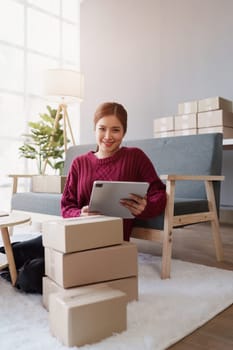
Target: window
34	35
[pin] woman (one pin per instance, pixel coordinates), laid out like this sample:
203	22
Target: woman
112	162
109	162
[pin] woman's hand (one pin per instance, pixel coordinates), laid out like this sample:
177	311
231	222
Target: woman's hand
85	211
135	204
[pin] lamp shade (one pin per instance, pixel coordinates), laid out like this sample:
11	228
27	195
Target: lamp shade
63	85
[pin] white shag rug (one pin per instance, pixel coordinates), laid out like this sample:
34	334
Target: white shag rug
167	310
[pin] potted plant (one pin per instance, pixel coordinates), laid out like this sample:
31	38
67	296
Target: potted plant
45	144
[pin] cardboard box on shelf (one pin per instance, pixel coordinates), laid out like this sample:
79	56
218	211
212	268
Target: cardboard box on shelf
186	132
48	183
87	232
227	132
91	266
164	124
187	107
87	318
212	103
186	121
128	285
215	118
164	134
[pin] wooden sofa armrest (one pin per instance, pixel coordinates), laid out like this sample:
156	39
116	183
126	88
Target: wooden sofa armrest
181	177
15	178
179	220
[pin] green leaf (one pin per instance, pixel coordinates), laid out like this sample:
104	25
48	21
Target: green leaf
43	142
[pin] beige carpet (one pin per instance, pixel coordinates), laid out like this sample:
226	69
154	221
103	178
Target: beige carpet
166	312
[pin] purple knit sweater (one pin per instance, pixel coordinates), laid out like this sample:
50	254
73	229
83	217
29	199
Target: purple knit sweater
127	164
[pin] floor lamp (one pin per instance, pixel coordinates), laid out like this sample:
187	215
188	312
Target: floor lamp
63	86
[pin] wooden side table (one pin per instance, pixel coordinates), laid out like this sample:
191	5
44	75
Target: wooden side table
8	221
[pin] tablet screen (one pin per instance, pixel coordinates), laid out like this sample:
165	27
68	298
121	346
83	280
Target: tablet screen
106	196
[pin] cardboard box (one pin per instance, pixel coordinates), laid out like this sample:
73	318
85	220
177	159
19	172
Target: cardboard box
164	134
186	132
87	318
128	285
87	232
227	132
185	121
212	103
215	118
48	183
187	107
164	124
91	266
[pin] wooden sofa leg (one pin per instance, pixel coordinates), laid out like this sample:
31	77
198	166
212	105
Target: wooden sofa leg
167	233
167	254
214	222
217	239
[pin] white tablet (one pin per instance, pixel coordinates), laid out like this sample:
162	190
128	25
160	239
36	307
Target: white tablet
106	196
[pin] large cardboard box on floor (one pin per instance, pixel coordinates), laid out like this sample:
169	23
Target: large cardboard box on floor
227	132
48	183
91	266
215	118
164	124
87	318
187	107
185	121
89	232
128	285
212	103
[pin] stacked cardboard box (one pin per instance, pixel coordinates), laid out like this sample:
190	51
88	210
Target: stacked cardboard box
87	256
186	119
215	115
87	318
164	127
186	124
208	115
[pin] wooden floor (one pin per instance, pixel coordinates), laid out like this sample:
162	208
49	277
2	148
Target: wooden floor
195	244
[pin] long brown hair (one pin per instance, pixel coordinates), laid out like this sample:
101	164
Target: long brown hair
111	108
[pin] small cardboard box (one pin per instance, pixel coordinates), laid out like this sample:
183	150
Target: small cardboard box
212	103
48	183
164	134
128	285
215	118
227	132
87	232
186	132
186	121
91	266
187	107
87	318
164	124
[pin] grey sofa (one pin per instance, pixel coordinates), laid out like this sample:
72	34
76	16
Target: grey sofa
191	198
193	155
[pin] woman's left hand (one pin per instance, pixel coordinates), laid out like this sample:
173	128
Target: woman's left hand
135	204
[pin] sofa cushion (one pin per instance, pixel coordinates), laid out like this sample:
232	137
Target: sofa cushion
44	203
182	206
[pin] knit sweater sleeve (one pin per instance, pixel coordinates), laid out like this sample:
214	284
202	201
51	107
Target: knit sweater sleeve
156	195
69	201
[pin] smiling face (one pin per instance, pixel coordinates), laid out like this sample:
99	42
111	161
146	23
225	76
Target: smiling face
109	134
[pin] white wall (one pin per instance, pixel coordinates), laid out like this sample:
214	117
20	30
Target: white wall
196	51
152	54
120	53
